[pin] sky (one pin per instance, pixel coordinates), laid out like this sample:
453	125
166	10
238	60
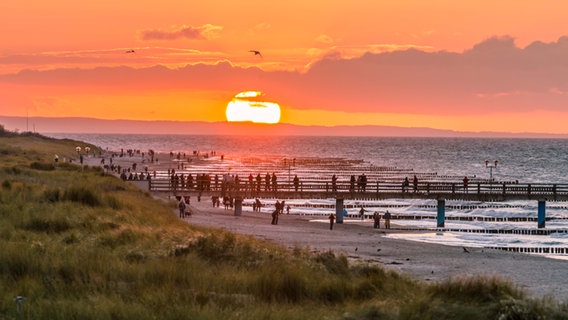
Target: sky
460	65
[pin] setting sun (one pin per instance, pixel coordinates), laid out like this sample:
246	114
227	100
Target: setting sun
248	107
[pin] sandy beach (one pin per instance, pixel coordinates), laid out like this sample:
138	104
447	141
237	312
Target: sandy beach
360	242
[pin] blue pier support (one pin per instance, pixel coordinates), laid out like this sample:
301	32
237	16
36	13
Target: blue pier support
339	210
541	213
441	213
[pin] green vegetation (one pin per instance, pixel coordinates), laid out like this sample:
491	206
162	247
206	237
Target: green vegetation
81	245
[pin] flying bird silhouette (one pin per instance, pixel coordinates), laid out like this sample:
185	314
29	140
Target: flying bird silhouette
130	51
256	53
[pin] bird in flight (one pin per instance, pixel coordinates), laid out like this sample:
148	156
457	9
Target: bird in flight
256	53
130	51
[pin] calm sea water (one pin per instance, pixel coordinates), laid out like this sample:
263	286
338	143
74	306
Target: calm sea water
525	160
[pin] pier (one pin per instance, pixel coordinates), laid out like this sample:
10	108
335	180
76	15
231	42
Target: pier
316	188
340	179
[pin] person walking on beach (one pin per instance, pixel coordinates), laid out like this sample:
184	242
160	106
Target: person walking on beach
275	216
362	213
181	206
377	220
331	221
387	220
258	204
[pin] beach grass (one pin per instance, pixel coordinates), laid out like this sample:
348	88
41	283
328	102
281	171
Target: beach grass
79	244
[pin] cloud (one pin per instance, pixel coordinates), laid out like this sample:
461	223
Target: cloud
144	56
416	81
259	28
324	38
205	32
494	76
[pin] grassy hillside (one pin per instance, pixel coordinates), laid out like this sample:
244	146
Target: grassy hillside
81	245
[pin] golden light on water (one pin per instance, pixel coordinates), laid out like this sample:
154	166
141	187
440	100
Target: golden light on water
248	106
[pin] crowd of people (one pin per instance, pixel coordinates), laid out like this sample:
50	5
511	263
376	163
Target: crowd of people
229	185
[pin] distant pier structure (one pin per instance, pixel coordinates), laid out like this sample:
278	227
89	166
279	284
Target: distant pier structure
344	179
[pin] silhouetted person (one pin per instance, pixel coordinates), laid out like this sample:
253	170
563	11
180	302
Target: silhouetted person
387	220
415	183
331	221
377	220
334	183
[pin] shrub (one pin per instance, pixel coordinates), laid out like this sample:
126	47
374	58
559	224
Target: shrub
135	256
281	283
6	184
479	289
215	249
82	195
334	290
113	202
115	240
42	224
12	170
42	166
70	239
333	264
52	195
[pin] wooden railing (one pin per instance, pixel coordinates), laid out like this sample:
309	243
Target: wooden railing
317	187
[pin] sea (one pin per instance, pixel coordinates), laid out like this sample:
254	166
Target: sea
518	159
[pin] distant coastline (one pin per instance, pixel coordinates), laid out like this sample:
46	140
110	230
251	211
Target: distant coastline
91	125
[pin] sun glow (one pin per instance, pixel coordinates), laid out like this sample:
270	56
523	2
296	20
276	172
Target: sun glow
248	106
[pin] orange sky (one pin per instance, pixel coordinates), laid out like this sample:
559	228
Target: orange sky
459	65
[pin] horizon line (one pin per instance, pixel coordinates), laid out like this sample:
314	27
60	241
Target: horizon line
104	126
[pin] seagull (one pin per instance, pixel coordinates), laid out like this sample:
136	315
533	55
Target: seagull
256	53
465	250
130	51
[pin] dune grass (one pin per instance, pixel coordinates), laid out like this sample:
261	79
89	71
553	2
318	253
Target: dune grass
81	245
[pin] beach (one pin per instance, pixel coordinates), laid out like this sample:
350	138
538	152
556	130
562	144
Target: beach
361	243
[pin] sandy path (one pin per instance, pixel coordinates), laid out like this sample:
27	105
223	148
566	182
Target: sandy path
358	240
